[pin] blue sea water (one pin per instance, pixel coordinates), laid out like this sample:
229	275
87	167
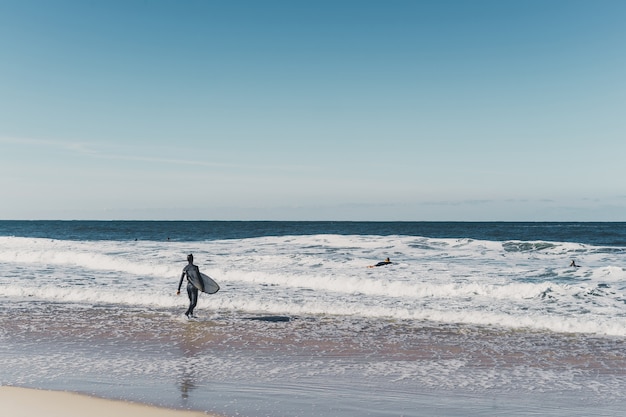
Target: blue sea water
598	233
469	319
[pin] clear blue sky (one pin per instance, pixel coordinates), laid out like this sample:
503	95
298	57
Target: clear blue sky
313	110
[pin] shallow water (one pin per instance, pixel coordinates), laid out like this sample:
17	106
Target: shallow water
256	365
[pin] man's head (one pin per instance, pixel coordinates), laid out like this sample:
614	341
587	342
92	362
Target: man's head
190	258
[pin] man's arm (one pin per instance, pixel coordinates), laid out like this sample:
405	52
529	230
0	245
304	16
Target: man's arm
180	283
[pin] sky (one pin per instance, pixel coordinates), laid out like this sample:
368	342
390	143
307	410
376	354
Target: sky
313	110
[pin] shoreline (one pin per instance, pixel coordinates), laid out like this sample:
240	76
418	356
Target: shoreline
256	365
31	402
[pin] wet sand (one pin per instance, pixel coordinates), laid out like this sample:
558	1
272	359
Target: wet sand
25	402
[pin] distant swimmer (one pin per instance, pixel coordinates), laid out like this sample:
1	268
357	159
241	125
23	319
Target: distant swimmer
383	263
573	264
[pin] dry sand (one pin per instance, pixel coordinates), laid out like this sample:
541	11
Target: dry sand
24	402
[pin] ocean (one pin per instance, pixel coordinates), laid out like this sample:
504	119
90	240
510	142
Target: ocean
469	319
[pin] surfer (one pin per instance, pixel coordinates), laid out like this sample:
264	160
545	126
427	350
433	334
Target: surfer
573	263
191	271
382	263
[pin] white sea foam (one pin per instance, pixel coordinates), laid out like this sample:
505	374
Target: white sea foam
512	284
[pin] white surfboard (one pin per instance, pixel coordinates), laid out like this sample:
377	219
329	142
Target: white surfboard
210	286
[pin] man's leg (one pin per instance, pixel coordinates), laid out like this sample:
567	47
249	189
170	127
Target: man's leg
192	292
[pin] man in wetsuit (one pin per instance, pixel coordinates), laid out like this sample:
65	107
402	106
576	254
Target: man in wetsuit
191	271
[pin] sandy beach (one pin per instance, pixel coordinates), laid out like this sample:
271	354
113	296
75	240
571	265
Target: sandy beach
24	402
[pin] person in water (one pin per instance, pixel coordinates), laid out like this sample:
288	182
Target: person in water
573	263
382	263
191	271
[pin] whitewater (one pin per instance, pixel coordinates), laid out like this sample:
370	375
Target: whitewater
511	284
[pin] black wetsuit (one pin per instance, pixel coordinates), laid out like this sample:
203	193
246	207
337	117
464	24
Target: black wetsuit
383	263
192	291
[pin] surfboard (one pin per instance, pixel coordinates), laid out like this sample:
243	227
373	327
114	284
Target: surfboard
205	283
210	286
